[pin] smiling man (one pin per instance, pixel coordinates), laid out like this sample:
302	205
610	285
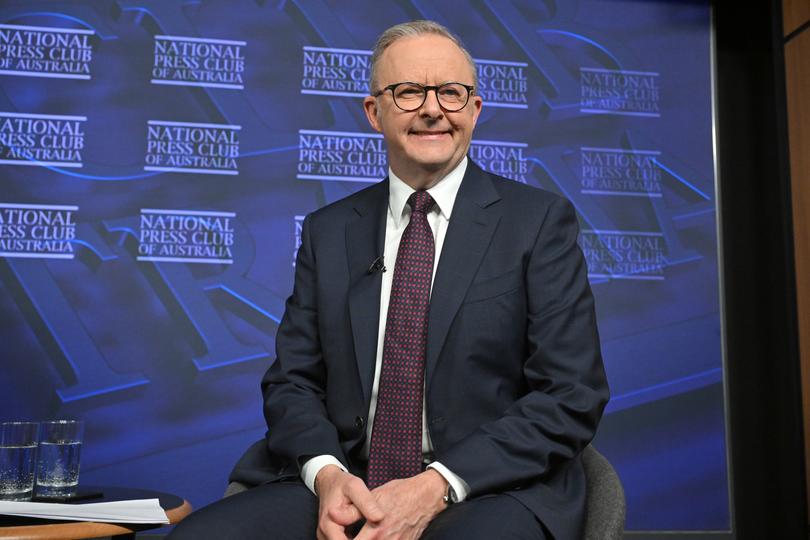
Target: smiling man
438	367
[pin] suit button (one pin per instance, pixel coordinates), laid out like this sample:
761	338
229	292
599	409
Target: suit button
359	422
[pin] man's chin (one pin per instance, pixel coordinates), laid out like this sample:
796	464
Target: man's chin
433	166
427	159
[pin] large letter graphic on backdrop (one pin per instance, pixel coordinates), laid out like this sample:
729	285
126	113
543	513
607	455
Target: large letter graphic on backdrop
187	299
50	314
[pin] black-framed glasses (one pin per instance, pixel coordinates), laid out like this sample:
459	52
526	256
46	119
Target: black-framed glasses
409	96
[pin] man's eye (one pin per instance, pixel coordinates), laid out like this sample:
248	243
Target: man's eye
409	92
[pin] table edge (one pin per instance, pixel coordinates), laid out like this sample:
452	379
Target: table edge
90	529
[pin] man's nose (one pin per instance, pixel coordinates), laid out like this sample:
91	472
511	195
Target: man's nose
431	105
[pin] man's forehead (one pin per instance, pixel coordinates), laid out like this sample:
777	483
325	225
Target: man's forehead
424	56
427	38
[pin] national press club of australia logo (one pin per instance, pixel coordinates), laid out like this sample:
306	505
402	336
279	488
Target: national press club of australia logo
192	147
37	231
620	92
186	236
298	229
44	51
616	171
625	255
203	62
341	156
504	158
41	139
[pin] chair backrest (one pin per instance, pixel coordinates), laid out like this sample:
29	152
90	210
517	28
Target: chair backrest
234	488
605	507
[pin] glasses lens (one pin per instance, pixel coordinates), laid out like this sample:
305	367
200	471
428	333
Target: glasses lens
409	96
453	96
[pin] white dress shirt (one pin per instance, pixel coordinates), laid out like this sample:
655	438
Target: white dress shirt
397	218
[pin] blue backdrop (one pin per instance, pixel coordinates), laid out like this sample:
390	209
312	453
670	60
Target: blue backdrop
158	157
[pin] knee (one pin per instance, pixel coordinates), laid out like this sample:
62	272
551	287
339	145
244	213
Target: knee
189	529
205	523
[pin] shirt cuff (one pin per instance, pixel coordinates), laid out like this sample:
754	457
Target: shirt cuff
461	487
313	466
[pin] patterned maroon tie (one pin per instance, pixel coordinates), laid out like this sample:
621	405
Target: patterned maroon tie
396	439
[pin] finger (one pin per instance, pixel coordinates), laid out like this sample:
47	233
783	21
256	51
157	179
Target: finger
345	515
365	502
331	531
368	532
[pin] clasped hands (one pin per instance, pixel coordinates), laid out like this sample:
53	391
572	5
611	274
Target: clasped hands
397	510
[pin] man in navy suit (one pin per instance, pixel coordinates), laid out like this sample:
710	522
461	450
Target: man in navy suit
511	382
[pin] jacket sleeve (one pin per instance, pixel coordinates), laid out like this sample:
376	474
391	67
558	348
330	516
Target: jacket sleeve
294	386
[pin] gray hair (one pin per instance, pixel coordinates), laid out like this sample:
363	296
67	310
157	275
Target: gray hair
414	29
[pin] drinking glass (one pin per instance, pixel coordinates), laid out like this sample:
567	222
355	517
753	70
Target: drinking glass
60	449
18	448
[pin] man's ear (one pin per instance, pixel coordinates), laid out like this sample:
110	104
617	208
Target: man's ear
477	103
372	110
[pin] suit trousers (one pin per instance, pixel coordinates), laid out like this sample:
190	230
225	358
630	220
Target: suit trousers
289	511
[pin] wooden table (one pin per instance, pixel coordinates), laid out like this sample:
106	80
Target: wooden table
46	529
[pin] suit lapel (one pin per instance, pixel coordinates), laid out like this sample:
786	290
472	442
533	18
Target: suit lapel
469	232
365	240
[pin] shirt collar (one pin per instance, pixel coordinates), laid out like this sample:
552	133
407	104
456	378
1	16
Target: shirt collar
444	193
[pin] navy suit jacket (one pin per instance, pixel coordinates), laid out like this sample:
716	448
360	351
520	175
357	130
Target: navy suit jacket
514	382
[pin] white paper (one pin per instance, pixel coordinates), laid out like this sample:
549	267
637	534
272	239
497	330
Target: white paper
133	511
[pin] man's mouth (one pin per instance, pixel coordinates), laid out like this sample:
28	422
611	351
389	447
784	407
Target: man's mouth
429	134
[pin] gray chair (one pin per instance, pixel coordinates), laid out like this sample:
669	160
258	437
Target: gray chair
234	488
605	506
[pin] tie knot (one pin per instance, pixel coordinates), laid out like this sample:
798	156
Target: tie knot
421	201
